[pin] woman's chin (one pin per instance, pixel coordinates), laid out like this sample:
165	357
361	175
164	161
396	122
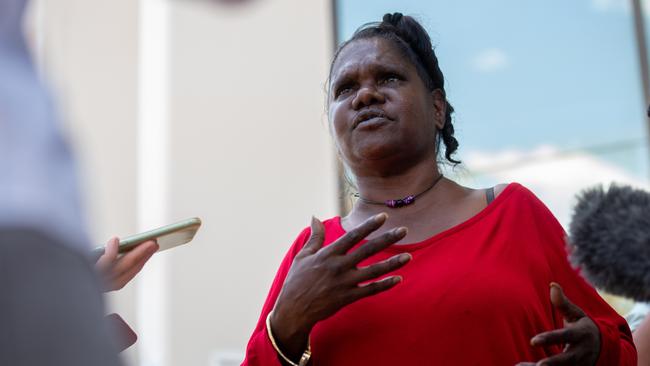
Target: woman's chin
377	152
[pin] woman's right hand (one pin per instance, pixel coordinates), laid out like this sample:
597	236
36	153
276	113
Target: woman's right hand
322	281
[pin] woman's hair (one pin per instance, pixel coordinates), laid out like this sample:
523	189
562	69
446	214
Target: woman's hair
414	42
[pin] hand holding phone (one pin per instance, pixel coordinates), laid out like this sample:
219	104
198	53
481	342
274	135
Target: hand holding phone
117	270
167	237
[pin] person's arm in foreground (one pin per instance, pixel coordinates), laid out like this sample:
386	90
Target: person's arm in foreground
51	308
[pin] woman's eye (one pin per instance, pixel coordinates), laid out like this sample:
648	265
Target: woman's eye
343	90
389	79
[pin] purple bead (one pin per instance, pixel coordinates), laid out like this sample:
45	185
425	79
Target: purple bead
400	202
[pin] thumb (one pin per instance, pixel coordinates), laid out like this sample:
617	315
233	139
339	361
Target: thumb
569	310
110	254
316	238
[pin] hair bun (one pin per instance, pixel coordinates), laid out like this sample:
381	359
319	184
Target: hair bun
392	19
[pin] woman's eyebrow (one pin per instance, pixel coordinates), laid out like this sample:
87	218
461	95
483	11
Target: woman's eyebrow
387	69
343	78
380	68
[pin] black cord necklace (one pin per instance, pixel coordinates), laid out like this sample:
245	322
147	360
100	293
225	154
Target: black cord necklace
402	201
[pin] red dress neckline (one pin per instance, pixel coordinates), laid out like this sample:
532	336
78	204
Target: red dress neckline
408	247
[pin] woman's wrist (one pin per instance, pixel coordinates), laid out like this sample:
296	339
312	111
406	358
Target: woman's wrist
290	335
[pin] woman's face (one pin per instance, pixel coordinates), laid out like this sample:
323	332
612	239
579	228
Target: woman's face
380	110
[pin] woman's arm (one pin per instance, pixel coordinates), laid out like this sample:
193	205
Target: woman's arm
616	344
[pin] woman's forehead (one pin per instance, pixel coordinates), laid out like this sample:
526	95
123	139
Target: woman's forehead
366	53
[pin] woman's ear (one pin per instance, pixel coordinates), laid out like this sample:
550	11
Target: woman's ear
439	108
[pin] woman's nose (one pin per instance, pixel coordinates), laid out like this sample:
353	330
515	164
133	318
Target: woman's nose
366	96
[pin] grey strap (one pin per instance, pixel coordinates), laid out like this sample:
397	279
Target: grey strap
489	195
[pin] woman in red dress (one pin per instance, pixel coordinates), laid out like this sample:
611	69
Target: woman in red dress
424	271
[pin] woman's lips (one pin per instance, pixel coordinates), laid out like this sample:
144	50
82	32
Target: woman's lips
372	123
369	118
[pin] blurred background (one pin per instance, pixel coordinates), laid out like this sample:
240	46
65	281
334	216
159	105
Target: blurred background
216	109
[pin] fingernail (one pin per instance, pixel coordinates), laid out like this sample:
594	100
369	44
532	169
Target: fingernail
401	231
397	279
379	218
535	340
404	258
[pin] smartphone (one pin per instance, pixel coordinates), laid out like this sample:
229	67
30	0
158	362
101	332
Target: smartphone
167	237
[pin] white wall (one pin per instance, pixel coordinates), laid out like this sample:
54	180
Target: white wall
250	155
89	53
249	148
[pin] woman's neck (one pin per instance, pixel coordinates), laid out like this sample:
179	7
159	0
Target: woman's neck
410	182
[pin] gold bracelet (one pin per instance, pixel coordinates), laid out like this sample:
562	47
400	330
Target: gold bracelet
304	359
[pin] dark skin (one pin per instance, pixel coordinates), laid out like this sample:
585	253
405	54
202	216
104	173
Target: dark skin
580	335
321	281
394	156
384	121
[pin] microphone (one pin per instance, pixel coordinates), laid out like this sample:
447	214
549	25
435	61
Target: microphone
609	238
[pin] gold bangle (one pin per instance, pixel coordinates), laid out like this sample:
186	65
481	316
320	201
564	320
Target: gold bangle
304	359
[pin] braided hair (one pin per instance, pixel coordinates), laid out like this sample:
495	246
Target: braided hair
414	42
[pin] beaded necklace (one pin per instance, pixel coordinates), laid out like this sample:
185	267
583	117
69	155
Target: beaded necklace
401	202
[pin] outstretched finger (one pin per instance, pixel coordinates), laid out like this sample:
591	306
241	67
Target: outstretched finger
378	269
569	310
555	337
376	287
375	245
352	237
316	238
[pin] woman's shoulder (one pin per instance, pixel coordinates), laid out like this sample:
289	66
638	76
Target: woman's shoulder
513	188
499	188
516	195
522	199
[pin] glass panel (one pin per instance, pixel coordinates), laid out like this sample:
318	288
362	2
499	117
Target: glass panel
547	93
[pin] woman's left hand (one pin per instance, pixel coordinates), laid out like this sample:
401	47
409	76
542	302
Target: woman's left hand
580	335
117	271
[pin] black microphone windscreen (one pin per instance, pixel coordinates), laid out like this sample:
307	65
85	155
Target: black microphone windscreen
609	236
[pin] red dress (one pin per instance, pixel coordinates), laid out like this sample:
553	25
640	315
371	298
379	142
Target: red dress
474	294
